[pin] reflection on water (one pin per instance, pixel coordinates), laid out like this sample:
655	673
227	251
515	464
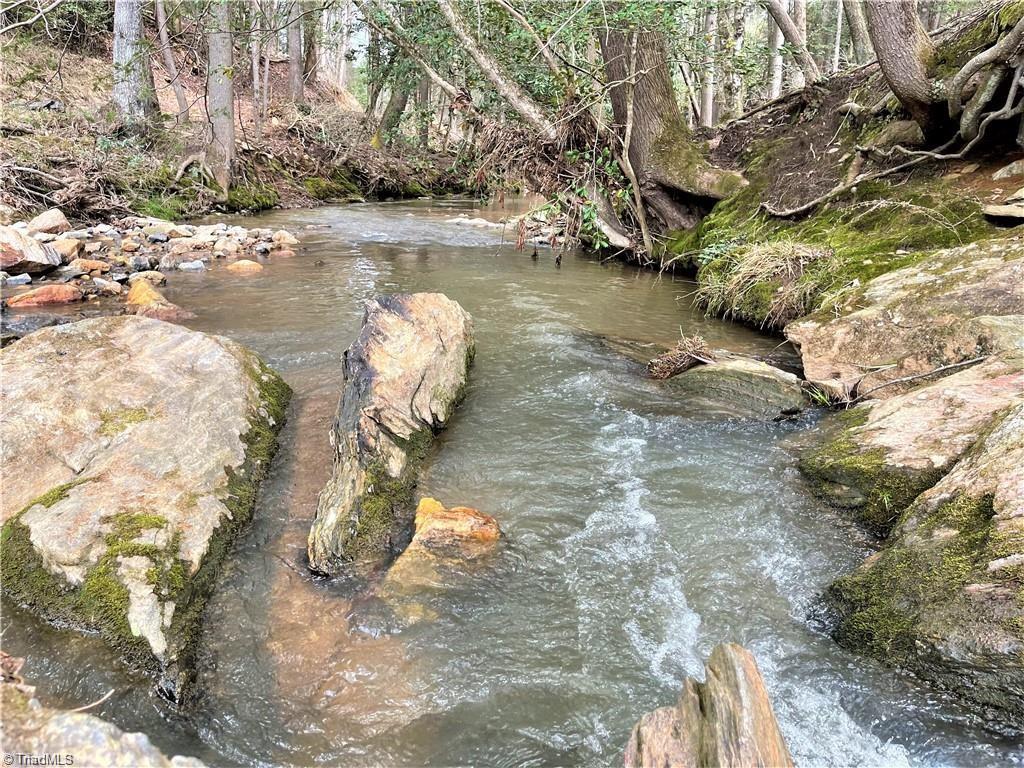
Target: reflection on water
641	535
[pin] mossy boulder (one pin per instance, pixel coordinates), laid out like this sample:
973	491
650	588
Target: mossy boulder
404	375
131	453
913	320
876	458
945	597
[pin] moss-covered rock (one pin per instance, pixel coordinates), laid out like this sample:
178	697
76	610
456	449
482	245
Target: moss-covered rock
878	457
945	597
404	375
128	470
913	320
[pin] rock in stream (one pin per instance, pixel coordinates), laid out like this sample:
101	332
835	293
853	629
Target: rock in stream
725	722
404	375
131	453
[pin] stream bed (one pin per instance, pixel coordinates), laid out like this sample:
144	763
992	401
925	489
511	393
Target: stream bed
642	534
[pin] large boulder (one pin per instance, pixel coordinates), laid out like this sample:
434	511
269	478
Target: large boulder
51	222
741	388
404	375
913	320
59	293
945	598
20	254
725	722
877	457
130	454
29	728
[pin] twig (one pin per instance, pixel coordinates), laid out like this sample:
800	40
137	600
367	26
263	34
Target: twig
96	703
904	379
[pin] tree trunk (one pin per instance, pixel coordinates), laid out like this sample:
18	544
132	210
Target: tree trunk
858	30
808	68
255	49
775	40
168	57
707	93
905	53
423	111
393	112
529	110
131	99
295	89
655	116
220	102
837	47
311	55
799	79
736	81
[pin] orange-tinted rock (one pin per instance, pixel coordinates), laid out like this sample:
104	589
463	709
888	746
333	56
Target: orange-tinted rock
283	237
462	531
725	722
147	301
20	254
284	252
92	266
245	266
48	294
52	221
67	247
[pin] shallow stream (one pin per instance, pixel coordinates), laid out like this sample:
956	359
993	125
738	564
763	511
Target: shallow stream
642	534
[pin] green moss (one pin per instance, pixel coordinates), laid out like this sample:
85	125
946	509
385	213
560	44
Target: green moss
338	187
101	602
884	602
114	422
881	491
958	49
254	196
387	505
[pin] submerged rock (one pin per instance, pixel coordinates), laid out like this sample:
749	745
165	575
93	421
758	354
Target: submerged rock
944	597
404	375
742	388
725	722
31	729
882	454
913	320
444	539
131	453
245	266
20	254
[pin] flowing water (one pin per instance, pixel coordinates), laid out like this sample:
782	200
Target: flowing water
642	534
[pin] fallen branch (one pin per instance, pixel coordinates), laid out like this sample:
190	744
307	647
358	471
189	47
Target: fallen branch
687	353
914	377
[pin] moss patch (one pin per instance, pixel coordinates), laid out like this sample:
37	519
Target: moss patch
884	602
254	196
115	422
881	491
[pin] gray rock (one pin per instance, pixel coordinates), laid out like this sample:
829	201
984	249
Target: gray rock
20	254
130	451
140	262
158	237
404	375
1012	170
725	722
29	728
741	388
192	266
23	279
1003	211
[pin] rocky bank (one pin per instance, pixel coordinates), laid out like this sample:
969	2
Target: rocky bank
404	375
131	451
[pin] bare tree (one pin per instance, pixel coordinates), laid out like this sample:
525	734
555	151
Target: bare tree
775	40
220	103
168	57
837	44
707	93
808	68
133	98
295	61
858	30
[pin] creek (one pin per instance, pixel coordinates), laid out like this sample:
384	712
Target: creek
642	533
